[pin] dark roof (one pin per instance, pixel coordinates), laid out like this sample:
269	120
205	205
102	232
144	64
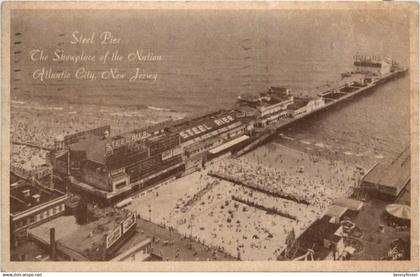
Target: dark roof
368	64
318	230
19	202
91	246
93	146
14	178
395	174
334	238
87	239
298	103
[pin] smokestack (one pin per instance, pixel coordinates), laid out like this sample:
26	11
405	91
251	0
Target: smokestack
52	244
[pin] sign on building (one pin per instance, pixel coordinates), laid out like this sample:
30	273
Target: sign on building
129	222
100	131
167	154
113	236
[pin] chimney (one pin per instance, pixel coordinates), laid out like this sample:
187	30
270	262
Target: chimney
52	244
26	192
36	197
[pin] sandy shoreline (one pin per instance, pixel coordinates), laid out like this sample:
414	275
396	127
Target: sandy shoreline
219	221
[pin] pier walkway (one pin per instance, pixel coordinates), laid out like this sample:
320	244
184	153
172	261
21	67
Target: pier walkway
354	91
33	145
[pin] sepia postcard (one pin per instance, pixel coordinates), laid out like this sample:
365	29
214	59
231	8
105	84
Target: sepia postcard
199	136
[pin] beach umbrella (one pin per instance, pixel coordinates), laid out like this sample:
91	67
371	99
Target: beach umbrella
398	211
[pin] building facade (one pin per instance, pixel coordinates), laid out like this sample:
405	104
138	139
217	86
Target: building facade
31	205
110	167
372	65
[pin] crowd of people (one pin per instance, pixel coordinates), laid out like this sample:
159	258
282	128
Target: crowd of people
276	181
256	227
40	126
27	158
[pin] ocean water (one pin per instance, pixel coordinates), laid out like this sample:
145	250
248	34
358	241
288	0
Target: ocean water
209	57
373	126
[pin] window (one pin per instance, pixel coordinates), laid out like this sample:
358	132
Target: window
120	185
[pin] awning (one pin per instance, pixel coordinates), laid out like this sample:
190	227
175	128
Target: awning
399	211
336	211
228	144
351	204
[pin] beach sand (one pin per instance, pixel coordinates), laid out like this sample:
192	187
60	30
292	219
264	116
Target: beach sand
238	229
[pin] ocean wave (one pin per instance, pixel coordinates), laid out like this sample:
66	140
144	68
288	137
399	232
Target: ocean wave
158	109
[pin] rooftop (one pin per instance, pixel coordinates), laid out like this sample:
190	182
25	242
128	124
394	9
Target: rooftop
351	204
272	96
336	211
208	119
298	103
88	239
94	147
319	229
394	174
138	238
24	196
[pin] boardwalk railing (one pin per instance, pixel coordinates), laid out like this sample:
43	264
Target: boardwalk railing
33	145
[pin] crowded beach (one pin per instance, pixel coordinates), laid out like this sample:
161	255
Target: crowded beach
249	222
52	122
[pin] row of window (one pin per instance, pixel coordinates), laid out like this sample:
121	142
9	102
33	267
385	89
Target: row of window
270	120
274	109
39	216
224	137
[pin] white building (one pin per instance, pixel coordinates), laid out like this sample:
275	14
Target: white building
368	65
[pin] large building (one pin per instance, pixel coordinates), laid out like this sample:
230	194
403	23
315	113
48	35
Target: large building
277	104
107	166
111	167
30	205
99	240
304	105
202	138
364	64
270	106
389	179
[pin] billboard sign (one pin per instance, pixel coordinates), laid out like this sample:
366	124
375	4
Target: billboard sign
129	222
127	139
167	154
205	127
104	131
113	236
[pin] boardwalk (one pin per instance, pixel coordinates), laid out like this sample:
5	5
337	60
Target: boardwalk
29	144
